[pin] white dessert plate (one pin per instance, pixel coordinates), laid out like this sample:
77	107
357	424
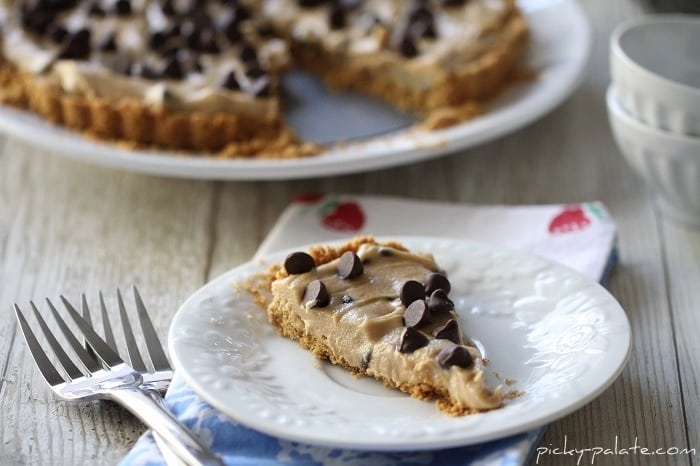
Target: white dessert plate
378	136
557	337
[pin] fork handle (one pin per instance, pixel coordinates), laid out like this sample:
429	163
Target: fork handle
158	417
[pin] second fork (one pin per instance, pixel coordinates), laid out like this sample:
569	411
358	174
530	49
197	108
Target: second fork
110	378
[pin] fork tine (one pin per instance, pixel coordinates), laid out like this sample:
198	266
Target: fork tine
84	357
71	369
85	310
104	352
131	346
155	349
42	361
109	335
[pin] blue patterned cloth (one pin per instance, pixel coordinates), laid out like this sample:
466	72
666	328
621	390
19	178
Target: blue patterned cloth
240	446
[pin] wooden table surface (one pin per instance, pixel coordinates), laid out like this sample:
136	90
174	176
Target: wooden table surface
67	227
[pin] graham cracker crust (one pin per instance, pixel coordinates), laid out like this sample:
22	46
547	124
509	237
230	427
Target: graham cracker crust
133	124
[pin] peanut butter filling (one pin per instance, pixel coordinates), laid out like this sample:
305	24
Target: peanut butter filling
363	321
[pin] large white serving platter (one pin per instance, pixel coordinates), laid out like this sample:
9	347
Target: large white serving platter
378	135
548	332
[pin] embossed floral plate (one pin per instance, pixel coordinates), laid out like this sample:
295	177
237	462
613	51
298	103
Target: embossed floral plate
548	332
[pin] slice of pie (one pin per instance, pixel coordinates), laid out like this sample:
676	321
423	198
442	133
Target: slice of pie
379	310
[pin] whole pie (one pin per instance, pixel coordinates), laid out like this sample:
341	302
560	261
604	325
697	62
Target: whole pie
382	311
205	75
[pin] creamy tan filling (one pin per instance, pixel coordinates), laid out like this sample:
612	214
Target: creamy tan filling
366	331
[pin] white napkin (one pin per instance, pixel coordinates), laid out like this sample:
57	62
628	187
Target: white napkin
581	236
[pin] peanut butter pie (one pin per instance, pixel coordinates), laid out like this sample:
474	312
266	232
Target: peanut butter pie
382	311
204	75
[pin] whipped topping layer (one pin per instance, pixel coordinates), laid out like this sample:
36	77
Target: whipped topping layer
427	31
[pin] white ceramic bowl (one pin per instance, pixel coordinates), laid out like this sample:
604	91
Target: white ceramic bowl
670	163
655	65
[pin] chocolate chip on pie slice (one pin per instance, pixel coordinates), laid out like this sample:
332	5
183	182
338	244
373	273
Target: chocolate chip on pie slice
368	320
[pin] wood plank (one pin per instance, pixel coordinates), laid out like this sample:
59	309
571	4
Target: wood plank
73	228
682	246
645	402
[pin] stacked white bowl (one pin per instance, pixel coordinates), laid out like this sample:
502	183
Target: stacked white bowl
654	107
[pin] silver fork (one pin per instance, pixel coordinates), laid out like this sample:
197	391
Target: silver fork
107	377
156	377
156	381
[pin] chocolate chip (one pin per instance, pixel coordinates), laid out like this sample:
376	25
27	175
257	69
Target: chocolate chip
411	340
411	291
310	3
202	20
147	72
175	30
57	33
207	41
408	48
173	69
96	10
436	281
78	46
440	302
417	314
264	89
197	65
231	83
168	8
157	39
423	28
233	32
455	356
298	262
239	14
337	17
346	299
255	72
449	331
37	21
265	30
193	41
420	13
316	295
122	7
248	54
109	44
350	266
453	2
